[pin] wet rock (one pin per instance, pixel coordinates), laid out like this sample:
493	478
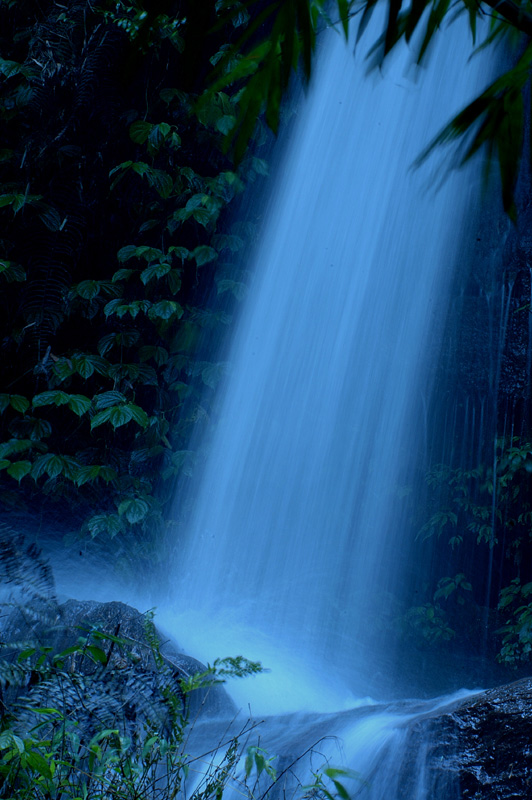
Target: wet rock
480	749
122	671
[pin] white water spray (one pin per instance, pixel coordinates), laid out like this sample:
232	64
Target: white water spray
297	545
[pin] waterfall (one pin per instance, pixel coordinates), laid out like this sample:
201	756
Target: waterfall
297	549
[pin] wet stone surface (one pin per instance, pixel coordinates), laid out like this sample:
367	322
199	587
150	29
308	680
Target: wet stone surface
125	682
481	749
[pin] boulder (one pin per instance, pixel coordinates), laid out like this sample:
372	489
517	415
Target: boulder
119	671
477	749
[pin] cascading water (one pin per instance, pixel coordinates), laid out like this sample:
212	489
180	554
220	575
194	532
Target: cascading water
297	545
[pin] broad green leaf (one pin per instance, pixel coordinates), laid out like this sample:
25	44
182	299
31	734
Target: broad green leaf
165	309
225	124
107	474
36	761
88	289
54	466
83	365
260	166
85	474
139	131
12	272
96	654
149	253
41	429
19	469
204	216
55	397
141	168
159	354
204	254
119	415
19	403
134	509
127	252
63	368
138	414
112	306
122	275
79	404
238	289
212	374
154	271
101	417
15	446
173	280
161	181
109	524
4	402
108	399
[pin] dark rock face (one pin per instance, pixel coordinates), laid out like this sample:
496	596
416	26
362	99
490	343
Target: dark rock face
128	683
480	749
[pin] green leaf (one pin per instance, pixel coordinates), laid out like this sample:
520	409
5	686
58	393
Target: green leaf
107	399
155	271
212	374
19	469
19	403
134	509
260	166
79	404
63	369
127	252
55	397
149	253
122	275
101	417
88	289
96	654
86	473
139	131
203	216
173	279
37	762
159	354
180	252
161	181
111	524
165	309
204	254
141	168
138	414
237	289
119	415
107	474
12	272
225	124
55	466
86	365
112	306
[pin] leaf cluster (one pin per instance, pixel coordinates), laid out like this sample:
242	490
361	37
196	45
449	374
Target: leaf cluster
114	200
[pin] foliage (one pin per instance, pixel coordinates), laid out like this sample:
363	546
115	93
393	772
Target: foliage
91	721
55	752
113	198
489	506
495	120
122	124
